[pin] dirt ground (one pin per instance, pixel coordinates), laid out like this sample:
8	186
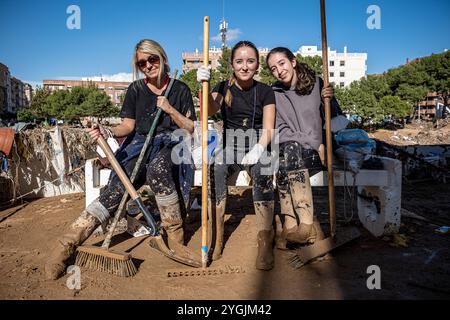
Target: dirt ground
414	268
424	133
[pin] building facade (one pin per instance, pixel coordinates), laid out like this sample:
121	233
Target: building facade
14	94
115	90
193	60
344	68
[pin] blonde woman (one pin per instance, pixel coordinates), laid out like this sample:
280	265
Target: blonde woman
139	108
247	106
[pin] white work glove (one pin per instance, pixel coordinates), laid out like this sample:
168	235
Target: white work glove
253	155
203	73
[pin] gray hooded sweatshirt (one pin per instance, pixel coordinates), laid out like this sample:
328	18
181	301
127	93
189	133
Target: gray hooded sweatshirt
299	117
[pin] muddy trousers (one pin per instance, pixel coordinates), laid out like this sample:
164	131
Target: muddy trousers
263	198
296	201
159	176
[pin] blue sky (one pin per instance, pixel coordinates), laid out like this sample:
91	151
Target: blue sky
36	44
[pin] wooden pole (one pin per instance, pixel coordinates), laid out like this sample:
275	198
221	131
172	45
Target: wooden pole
331	198
205	164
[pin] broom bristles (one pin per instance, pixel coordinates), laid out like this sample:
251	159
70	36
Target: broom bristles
98	262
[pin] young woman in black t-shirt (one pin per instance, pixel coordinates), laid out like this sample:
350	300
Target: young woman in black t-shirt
248	106
142	99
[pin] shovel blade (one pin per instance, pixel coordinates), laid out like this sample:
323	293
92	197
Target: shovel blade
176	252
305	254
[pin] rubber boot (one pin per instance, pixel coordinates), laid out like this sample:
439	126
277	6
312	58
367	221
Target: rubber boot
216	228
264	259
289	217
80	230
280	234
171	244
172	222
301	194
265	238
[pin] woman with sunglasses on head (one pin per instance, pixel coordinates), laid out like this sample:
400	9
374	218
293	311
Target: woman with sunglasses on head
249	106
142	100
299	120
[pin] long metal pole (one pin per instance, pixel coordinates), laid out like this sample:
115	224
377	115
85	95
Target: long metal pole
331	198
204	109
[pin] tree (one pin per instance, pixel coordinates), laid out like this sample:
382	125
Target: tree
394	107
224	70
97	104
376	84
264	74
314	63
25	115
190	78
38	103
412	94
356	101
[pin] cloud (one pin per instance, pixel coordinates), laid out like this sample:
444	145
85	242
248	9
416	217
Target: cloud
119	77
232	34
33	84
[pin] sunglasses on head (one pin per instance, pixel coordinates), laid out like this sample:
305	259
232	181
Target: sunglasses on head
152	59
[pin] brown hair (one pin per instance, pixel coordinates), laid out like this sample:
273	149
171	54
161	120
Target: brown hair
306	77
232	81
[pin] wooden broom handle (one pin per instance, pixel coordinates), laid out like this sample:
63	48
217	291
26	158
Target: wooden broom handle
204	122
117	168
330	175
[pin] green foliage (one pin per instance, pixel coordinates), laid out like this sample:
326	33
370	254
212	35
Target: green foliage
265	74
38	104
393	106
224	70
71	105
314	63
25	115
395	92
190	78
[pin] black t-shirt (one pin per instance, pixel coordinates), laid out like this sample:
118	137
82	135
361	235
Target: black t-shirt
244	104
140	105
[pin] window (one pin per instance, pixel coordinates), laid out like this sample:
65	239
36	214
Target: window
342	74
342	64
342	84
331	63
332	74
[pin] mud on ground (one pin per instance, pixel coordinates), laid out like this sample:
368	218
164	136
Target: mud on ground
416	270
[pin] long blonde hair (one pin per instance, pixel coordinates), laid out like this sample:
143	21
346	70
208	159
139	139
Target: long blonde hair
232	81
148	46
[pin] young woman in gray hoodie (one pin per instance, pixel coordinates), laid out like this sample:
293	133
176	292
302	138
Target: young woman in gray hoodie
299	120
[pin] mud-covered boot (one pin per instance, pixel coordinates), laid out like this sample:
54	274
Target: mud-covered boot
264	211
173	235
217	229
301	194
280	234
80	230
303	234
289	217
171	221
265	259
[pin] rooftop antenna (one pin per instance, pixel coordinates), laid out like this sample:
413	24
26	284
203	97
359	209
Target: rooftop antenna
223	27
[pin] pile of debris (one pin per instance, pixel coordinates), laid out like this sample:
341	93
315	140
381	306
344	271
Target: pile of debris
417	134
47	162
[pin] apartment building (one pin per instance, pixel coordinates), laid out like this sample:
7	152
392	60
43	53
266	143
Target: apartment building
115	90
14	94
344	67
